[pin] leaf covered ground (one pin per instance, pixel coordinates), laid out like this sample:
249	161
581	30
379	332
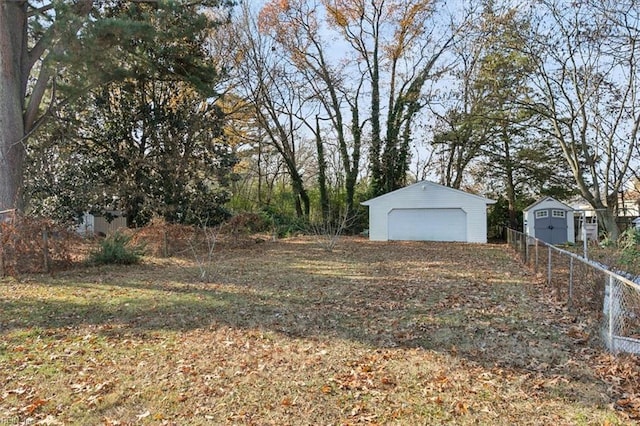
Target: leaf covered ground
287	333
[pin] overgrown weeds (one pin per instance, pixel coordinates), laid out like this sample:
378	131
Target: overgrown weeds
629	245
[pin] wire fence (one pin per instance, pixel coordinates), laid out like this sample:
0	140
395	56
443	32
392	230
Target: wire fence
33	245
605	299
6	218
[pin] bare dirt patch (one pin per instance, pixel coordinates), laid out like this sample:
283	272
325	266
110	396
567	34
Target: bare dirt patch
289	333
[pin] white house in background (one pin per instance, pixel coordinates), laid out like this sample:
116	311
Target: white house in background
550	220
427	211
628	204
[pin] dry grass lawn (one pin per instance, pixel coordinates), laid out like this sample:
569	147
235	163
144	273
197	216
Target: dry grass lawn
287	333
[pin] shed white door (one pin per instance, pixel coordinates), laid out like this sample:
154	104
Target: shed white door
427	224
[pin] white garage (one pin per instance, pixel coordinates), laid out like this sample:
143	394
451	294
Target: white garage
426	211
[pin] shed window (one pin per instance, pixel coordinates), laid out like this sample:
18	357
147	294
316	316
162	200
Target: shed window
542	213
558	213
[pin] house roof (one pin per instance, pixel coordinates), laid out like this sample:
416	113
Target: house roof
542	200
426	183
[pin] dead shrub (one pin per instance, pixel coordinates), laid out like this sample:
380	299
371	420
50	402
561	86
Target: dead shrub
163	239
35	245
243	225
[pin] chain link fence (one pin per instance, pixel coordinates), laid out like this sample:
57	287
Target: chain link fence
602	298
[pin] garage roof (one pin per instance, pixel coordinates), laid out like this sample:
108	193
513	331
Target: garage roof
424	183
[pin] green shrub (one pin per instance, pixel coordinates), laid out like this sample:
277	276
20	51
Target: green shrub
607	242
117	249
629	243
282	224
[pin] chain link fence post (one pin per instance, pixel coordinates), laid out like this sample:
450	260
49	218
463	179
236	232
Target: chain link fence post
549	266
596	295
570	298
610	304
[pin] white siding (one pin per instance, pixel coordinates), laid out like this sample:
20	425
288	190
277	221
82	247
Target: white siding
97	225
428	195
87	226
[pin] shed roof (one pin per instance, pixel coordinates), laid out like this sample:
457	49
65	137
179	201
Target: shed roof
551	199
425	183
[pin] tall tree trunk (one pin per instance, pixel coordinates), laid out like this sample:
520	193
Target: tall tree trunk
354	168
508	178
302	202
607	218
377	180
511	192
13	51
322	174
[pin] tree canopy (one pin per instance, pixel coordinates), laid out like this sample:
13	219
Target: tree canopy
328	102
52	53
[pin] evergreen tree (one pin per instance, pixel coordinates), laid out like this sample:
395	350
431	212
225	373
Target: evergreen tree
56	51
148	147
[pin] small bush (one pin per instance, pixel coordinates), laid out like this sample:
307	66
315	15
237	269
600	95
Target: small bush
629	245
283	225
244	224
117	249
607	242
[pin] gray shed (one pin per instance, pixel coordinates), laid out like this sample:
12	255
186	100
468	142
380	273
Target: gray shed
550	220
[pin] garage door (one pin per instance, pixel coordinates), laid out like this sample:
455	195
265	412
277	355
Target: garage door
427	224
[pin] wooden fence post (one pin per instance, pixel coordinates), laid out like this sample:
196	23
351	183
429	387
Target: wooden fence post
2	272
45	249
165	243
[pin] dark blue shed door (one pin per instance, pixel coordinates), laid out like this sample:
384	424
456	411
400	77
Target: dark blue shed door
551	225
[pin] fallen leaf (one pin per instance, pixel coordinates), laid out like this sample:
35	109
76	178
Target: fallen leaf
37	403
143	415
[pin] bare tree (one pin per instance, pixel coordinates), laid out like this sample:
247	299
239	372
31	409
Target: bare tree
396	45
296	28
587	87
277	100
